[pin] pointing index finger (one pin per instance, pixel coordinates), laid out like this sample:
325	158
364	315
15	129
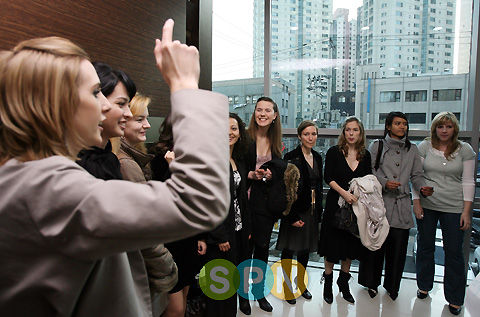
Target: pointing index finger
167	31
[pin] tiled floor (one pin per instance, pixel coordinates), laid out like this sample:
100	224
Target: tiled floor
382	305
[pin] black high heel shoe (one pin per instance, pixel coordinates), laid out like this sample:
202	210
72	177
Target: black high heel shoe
372	292
306	294
244	305
264	305
291	301
454	310
342	283
327	287
422	295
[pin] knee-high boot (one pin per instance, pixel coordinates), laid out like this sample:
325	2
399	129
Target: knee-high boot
342	283
327	287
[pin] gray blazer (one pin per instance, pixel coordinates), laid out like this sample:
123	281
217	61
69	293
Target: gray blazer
400	165
64	234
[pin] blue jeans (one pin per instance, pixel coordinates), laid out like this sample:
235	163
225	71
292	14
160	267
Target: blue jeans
454	277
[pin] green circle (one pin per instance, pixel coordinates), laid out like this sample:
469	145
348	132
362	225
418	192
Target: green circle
219	279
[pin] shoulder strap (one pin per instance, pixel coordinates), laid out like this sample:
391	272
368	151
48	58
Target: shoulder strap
379	154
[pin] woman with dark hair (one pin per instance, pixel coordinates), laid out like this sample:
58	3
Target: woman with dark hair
229	241
184	251
266	134
72	257
119	89
102	163
449	166
346	160
396	163
299	229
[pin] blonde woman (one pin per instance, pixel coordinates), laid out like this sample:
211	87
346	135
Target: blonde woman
449	167
346	160
131	148
70	258
161	269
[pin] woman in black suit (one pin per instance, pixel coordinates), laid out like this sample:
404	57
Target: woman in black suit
265	131
299	229
229	241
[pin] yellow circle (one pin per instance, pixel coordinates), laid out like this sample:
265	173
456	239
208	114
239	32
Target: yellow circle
286	284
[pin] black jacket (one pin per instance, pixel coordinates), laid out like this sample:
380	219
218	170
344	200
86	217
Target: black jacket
101	163
251	160
226	230
304	200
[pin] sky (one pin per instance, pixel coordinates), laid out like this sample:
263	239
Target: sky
233	36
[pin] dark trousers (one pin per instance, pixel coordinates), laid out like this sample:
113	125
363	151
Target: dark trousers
302	258
454	278
394	251
239	251
261	232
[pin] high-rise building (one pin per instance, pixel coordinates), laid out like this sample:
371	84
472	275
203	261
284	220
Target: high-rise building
343	36
408	37
463	38
299	50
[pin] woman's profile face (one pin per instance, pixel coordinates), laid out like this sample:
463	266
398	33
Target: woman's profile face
445	131
234	133
264	113
352	132
114	124
136	128
309	137
92	106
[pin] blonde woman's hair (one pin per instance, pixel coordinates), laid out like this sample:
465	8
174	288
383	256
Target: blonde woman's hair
274	132
137	105
39	81
359	146
443	118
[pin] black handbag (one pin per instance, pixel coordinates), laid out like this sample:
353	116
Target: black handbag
344	218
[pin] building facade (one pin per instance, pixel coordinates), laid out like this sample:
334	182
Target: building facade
420	98
408	37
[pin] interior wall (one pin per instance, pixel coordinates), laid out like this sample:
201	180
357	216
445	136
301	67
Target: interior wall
121	33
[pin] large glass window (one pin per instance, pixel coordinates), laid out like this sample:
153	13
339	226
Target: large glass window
328	59
416	95
447	95
390	96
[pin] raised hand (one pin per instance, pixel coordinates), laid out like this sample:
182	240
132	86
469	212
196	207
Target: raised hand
178	63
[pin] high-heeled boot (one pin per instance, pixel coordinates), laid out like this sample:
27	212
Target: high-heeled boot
327	287
244	305
342	283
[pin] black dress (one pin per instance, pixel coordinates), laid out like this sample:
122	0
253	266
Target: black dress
336	244
306	237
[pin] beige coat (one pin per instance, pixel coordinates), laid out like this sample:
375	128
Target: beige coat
161	269
64	233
